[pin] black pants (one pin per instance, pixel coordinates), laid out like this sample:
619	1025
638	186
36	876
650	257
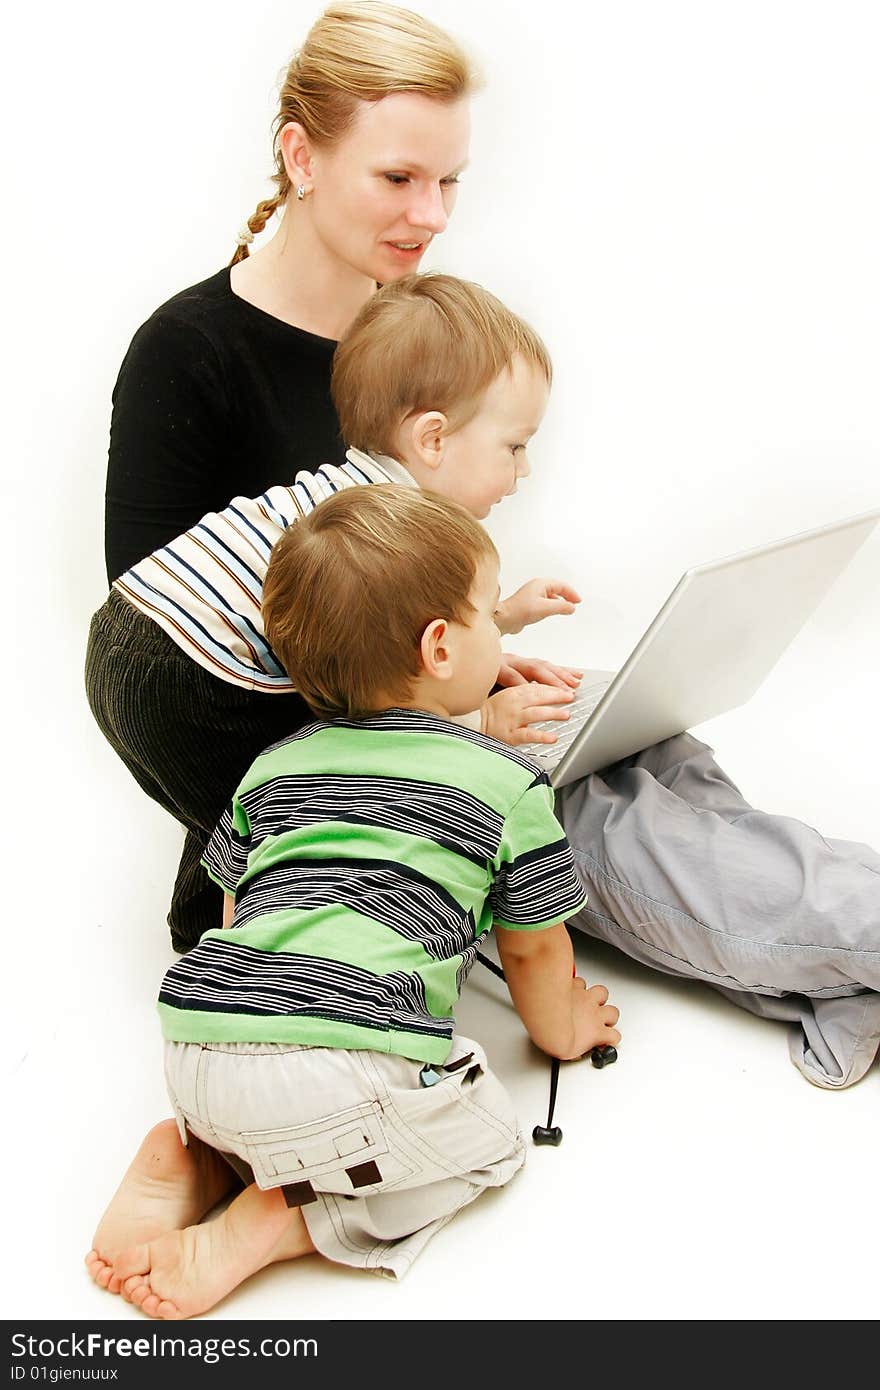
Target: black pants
185	736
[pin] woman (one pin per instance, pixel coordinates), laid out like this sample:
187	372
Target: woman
225	390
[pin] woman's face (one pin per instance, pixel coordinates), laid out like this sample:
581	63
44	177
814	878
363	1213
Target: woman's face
387	188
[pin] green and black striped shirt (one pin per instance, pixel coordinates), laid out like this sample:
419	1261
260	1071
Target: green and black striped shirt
367	860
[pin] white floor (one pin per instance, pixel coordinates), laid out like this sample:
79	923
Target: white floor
700	1177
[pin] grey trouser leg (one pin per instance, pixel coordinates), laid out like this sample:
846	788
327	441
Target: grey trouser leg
685	876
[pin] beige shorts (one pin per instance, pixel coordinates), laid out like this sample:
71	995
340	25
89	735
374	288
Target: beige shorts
377	1160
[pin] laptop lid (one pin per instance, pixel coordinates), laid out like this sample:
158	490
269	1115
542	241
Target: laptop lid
723	627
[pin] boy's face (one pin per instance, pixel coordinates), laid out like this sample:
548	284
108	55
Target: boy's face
480	464
476	645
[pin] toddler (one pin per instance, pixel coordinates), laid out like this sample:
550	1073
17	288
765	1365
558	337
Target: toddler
310	1040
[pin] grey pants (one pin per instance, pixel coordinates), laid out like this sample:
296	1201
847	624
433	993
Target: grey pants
378	1159
685	876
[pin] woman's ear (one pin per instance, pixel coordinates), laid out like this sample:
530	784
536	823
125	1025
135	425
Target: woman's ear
435	650
296	152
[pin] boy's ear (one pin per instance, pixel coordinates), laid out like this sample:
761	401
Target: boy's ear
428	436
296	152
435	650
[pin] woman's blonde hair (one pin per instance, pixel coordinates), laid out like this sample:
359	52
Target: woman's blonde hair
361	51
351	587
425	342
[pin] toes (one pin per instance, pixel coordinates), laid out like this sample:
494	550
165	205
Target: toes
156	1307
135	1289
100	1271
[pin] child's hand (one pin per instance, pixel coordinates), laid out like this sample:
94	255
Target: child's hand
540	598
517	670
508	716
594	1017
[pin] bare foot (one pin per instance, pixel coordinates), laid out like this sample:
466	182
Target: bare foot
165	1188
187	1272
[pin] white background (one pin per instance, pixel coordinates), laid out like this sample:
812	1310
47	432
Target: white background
684	200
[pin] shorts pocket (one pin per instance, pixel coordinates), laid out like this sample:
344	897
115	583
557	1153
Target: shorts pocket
345	1152
466	1122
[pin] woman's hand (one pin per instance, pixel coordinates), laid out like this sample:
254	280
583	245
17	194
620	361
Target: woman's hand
517	670
540	598
509	715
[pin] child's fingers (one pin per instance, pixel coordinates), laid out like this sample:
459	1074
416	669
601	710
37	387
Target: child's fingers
553	607
509	675
542	694
524	733
536	704
550	675
536	713
537	671
559	675
556	589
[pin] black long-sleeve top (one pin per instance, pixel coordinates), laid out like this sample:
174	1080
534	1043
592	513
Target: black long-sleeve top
215	398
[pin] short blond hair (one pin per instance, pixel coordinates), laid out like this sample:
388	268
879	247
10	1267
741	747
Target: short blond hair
425	342
360	51
352	586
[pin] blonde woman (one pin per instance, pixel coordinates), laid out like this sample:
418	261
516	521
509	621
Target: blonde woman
225	391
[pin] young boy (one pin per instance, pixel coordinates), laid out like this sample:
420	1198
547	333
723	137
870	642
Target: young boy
311	1039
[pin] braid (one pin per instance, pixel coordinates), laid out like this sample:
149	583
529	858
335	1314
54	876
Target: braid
255	224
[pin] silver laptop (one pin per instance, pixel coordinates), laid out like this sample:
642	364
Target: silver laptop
723	627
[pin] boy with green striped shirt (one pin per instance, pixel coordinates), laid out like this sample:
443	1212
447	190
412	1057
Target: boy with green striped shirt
311	1040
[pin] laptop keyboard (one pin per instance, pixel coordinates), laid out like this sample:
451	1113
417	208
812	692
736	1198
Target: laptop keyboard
566	730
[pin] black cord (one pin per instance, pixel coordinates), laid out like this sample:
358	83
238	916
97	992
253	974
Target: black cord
542	1134
554	1082
490	965
599	1056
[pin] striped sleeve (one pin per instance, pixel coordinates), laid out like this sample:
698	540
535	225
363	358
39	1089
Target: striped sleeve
226	855
205	587
536	884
